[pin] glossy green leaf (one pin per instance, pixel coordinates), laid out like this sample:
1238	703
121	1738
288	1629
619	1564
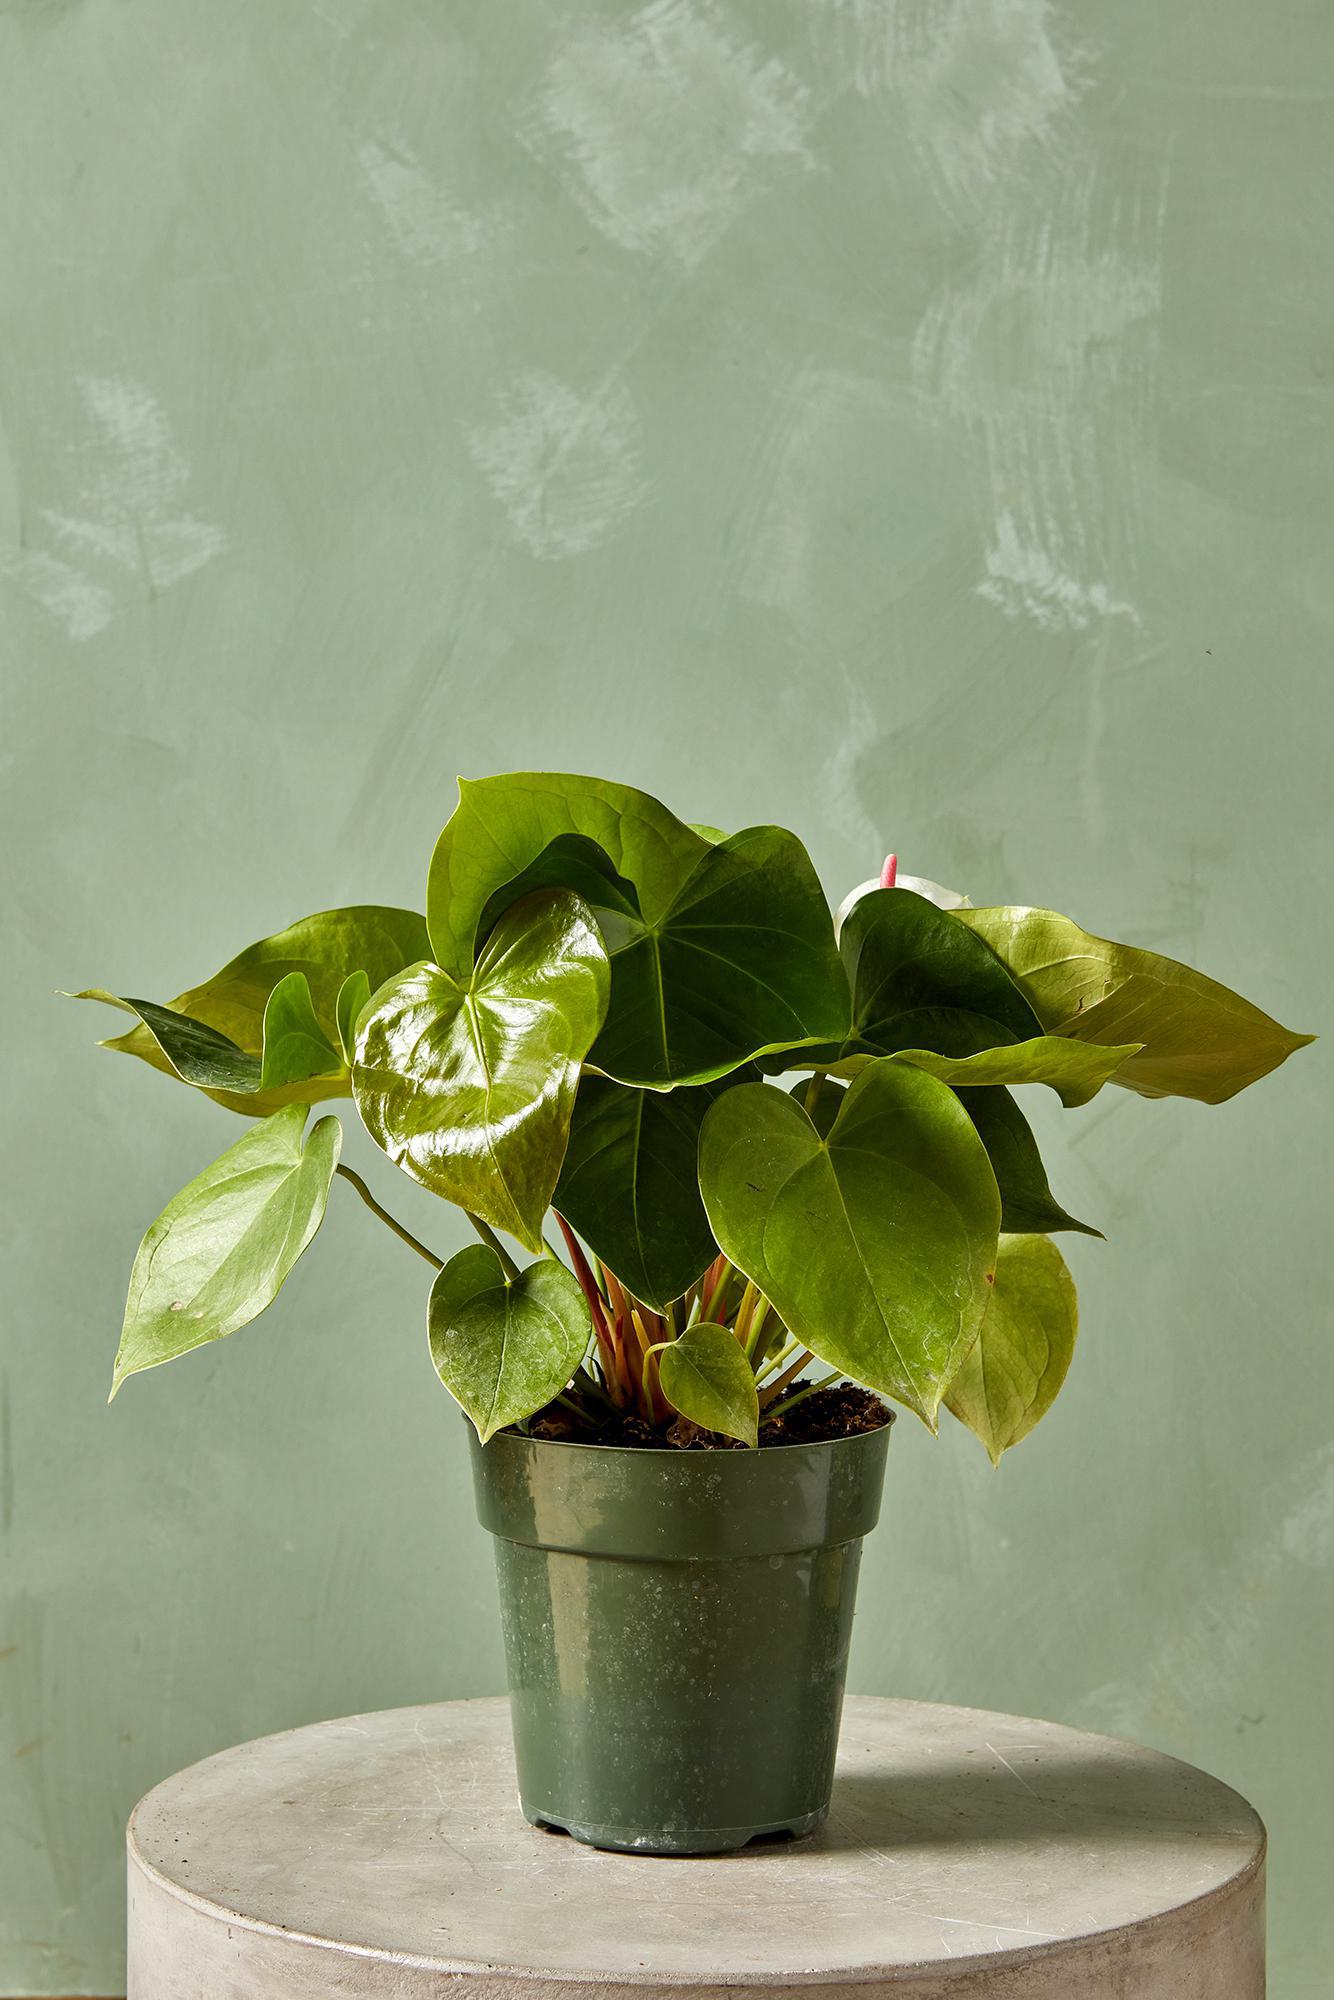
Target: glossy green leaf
1076	1071
353	999
822	1106
920	980
1028	1206
630	1184
468	1085
296	1047
503	1347
706	1376
218	1253
1197	1039
741	962
874	1244
718	951
326	948
1019	1360
502	826
187	1048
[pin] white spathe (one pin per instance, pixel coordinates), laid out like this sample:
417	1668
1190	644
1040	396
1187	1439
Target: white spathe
944	899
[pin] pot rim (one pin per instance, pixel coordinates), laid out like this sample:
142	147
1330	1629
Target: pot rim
659	1452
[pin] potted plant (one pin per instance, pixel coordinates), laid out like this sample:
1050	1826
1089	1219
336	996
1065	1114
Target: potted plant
678	1434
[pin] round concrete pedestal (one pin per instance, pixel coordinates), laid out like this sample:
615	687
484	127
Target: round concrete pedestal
966	1854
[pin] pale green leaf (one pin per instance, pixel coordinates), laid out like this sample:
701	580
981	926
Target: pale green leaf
706	1376
296	1047
221	1249
875	1243
1196	1038
503	1347
1012	1373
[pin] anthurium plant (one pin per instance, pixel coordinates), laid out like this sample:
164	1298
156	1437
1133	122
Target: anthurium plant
588	1044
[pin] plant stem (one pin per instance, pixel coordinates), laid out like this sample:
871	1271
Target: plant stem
811	1101
719	1288
756	1328
597	1309
373	1205
489	1237
789	1374
790	1402
776	1361
741	1324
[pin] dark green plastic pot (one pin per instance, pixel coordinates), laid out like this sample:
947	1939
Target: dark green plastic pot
676	1631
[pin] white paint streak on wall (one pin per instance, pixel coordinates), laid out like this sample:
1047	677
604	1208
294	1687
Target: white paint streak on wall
977	84
429	226
1043	357
1046	356
566	468
793	486
666	124
125	520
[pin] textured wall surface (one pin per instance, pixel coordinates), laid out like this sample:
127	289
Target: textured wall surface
911	419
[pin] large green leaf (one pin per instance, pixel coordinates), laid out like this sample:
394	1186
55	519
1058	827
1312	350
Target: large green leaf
326	948
1076	1071
630	1184
1012	1373
468	1085
742	962
218	1253
503	1347
1197	1038
706	1376
719	951
1028	1206
921	981
874	1244
502	825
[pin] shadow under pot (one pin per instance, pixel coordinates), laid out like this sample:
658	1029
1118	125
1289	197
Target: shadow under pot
676	1631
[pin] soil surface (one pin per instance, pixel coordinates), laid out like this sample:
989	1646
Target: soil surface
843	1411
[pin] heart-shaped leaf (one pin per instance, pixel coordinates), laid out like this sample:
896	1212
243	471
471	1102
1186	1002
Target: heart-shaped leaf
1028	1206
1197	1039
742	962
920	980
220	1250
296	1047
630	1184
719	950
706	1376
502	826
874	1244
503	1347
326	948
469	1085
1019	1360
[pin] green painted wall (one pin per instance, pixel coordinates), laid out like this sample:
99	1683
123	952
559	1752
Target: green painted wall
907	418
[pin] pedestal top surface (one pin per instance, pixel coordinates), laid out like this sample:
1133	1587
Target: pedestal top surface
954	1835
